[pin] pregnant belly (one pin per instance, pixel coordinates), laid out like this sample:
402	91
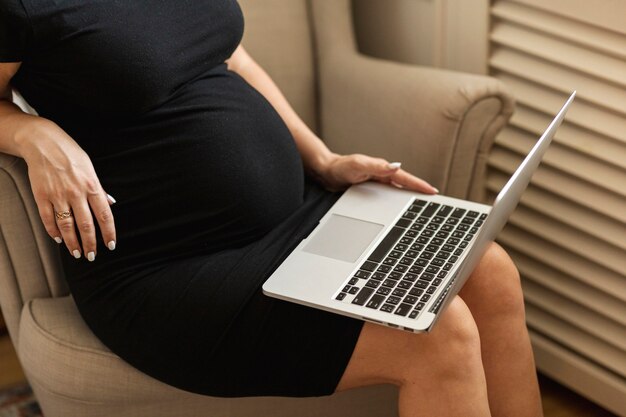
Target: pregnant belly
215	168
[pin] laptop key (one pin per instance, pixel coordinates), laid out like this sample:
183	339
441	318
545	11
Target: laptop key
387	308
458	213
387	243
403	223
444	211
353	281
483	216
369	266
393	300
472	213
376	301
430	209
340	296
362	296
390	261
383	291
414	314
398	292
353	290
390	283
379	275
405	284
403	309
372	283
416	292
362	274
410	299
409	215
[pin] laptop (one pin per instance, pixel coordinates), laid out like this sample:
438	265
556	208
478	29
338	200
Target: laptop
396	257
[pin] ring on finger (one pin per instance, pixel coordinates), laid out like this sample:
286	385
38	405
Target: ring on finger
60	215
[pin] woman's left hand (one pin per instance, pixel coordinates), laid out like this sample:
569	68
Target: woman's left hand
341	171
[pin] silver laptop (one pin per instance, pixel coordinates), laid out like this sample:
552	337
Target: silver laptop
397	257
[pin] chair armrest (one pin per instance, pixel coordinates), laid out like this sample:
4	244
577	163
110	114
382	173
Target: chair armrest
440	124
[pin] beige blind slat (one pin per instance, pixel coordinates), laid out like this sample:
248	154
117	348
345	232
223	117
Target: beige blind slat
560	259
554	207
588	297
567	187
559	234
581	113
590	143
574	163
577	340
559	78
586	35
606	14
589	62
575	315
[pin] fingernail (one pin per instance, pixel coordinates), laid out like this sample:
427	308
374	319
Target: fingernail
395	184
111	199
394	165
76	253
436	190
91	256
111	245
58	240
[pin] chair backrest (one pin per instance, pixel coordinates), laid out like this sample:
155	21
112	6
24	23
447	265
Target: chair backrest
278	35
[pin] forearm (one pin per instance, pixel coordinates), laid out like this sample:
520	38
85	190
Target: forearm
315	154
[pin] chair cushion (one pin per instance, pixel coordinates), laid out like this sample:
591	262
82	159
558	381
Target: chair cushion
73	373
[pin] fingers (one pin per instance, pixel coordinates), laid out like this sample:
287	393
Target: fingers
390	172
46	212
66	226
403	179
101	207
79	222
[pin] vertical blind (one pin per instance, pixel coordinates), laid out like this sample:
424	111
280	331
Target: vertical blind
568	235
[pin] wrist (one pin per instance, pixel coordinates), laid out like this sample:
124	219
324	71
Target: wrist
31	135
319	165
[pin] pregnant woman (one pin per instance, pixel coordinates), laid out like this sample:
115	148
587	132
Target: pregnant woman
175	177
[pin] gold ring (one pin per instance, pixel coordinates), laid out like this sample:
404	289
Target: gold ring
63	214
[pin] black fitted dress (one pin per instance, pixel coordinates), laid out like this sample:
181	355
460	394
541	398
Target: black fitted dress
211	194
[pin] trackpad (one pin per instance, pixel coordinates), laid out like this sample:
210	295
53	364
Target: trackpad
343	238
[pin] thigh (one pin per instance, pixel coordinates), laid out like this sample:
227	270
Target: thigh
386	355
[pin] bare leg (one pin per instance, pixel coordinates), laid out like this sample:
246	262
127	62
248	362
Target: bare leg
439	374
494	296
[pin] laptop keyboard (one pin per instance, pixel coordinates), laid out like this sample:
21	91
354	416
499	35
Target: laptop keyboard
413	260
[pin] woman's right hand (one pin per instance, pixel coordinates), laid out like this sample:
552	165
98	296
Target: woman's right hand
63	179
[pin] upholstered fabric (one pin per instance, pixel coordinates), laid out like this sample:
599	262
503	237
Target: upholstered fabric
440	124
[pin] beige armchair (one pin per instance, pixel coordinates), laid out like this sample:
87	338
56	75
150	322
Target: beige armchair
440	124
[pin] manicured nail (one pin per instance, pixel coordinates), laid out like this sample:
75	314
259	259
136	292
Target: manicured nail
394	165
111	245
395	184
76	253
111	199
58	240
91	256
436	190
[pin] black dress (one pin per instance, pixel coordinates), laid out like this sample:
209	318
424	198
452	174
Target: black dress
211	194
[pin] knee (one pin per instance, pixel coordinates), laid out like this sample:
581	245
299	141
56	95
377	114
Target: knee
497	280
458	341
458	328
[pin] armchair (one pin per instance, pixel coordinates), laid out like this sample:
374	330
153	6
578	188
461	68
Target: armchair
440	124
